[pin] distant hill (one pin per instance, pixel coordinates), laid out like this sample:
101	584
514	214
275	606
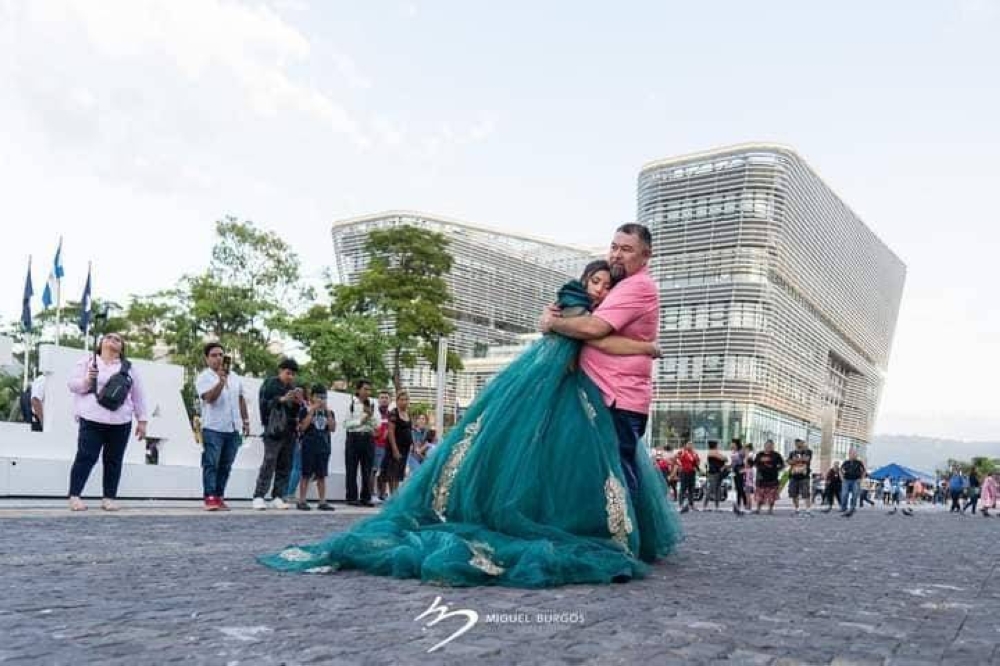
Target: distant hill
925	453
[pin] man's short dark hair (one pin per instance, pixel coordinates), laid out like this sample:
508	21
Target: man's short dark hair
318	389
361	382
640	231
289	364
213	345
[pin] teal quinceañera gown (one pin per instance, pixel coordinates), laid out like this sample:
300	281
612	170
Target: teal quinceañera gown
526	491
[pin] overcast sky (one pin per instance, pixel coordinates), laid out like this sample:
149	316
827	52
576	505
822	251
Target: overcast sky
129	127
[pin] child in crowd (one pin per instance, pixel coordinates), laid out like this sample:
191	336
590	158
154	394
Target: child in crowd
316	422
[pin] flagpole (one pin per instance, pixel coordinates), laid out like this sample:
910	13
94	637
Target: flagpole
58	311
26	357
90	283
59	292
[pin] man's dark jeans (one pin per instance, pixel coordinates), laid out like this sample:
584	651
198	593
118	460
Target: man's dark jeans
217	456
686	497
359	451
277	465
630	426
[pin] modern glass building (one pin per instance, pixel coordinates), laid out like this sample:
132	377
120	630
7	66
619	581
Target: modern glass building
778	305
499	282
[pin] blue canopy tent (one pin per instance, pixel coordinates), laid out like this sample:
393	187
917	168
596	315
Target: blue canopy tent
895	471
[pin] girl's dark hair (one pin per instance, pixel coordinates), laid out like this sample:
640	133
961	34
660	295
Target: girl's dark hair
594	267
100	343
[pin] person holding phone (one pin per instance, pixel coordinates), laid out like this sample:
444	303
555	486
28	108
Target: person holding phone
223	418
107	396
316	423
280	400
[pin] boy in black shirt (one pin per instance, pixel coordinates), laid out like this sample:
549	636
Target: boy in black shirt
316	422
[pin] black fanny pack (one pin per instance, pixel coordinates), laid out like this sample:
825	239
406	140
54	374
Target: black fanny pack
113	395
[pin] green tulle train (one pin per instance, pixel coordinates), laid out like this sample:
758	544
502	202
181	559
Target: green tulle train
526	491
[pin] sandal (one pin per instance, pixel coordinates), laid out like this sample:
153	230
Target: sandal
76	504
109	505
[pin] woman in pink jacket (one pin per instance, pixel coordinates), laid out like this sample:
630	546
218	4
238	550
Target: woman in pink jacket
107	395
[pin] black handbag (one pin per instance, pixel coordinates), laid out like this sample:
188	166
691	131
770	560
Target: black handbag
113	395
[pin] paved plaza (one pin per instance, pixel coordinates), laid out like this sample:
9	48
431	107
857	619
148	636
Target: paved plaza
156	585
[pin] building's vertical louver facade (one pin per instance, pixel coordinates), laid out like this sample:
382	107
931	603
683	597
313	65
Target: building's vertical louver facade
778	305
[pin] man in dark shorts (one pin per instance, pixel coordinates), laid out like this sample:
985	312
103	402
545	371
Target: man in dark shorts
799	474
769	464
316	423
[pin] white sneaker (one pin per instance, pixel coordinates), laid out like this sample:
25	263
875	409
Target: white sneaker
278	503
259	504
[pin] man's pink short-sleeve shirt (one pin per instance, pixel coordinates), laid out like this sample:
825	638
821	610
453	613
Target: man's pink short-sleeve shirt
632	309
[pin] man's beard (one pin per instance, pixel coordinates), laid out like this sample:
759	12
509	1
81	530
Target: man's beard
617	273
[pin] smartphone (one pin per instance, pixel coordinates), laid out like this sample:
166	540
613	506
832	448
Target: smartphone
227	363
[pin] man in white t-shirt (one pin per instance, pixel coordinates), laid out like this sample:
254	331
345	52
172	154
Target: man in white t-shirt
223	417
38	403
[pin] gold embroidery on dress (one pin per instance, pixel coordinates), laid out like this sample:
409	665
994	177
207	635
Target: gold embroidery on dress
619	523
482	560
450	469
296	555
587	406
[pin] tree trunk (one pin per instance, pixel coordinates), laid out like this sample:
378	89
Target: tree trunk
397	378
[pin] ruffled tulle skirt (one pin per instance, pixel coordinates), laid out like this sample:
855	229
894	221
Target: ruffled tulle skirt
526	491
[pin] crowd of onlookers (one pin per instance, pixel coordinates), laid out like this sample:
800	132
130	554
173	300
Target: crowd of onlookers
383	440
756	479
383	443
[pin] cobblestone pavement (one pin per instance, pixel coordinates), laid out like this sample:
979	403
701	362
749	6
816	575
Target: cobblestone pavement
155	587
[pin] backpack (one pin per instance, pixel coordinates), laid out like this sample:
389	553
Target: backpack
113	395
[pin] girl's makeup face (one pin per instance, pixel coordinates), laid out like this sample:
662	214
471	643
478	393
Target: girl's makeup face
598	286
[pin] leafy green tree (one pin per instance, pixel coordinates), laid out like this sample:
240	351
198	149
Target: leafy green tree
10	395
242	300
346	348
403	286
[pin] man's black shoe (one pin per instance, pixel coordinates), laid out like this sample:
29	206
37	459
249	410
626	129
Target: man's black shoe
352	502
367	503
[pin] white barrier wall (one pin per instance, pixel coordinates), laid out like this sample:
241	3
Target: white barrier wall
38	463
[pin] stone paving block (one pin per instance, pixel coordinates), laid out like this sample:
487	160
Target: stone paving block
160	588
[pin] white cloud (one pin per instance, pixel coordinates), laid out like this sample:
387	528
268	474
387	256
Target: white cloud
155	84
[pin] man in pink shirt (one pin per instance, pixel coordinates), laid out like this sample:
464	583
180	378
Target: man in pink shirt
631	309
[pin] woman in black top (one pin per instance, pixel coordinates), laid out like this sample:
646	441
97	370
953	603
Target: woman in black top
400	440
716	464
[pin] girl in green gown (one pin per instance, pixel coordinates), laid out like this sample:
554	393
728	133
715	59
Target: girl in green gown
526	491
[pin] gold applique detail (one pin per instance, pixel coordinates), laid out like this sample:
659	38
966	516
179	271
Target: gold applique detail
482	560
588	407
619	523
450	469
295	555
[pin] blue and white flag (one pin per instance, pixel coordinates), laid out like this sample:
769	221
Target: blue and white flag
29	291
52	286
84	322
